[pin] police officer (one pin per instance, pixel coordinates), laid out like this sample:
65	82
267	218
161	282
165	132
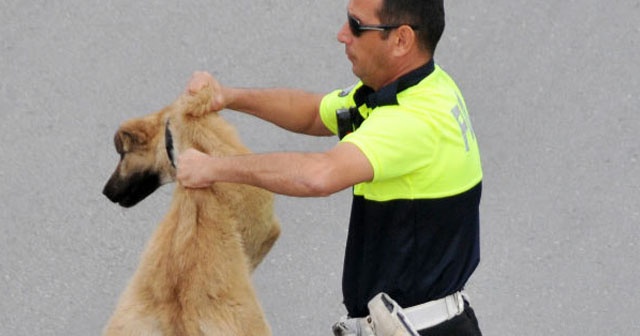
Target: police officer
408	149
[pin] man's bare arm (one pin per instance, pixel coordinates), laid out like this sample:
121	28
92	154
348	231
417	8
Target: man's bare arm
293	174
294	110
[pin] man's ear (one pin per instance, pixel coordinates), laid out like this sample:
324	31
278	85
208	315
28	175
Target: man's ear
404	40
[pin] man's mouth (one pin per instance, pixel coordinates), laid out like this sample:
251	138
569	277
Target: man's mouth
349	56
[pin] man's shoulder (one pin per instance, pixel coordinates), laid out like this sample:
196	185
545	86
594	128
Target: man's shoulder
438	88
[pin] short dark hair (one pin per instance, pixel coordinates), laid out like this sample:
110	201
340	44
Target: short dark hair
427	15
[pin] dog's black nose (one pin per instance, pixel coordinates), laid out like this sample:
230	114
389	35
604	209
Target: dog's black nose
130	190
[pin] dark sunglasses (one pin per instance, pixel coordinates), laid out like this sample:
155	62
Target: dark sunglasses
357	29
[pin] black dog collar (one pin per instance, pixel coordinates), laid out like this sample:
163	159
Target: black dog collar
168	144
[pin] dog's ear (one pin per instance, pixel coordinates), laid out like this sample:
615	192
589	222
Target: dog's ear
129	137
125	141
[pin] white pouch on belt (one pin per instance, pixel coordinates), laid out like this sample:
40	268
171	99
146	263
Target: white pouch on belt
388	318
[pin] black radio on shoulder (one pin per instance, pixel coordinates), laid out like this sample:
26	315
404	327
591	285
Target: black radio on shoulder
349	119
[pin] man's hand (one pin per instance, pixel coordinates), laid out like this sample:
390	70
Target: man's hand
202	79
193	169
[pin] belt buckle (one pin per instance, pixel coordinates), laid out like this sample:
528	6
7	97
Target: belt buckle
459	301
454	304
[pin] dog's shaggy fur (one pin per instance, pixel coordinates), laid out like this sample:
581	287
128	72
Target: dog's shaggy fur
194	276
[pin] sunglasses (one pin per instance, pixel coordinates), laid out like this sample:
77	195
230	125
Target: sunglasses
357	28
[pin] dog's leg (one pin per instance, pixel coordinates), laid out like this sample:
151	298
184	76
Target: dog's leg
132	317
265	245
127	321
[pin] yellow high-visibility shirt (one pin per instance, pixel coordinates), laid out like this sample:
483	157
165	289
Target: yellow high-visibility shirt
423	147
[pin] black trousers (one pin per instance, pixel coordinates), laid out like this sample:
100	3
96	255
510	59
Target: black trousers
465	324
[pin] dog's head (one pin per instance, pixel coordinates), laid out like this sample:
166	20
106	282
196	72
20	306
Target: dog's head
148	145
144	164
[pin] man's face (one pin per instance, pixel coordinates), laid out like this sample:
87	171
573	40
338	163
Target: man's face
369	52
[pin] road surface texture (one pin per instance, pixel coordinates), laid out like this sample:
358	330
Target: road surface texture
554	93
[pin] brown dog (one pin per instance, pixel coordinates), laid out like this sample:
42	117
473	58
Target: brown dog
194	276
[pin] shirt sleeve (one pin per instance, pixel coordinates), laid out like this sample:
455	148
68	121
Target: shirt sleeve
328	107
333	101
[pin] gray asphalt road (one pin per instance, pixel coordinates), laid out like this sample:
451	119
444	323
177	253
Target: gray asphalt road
552	87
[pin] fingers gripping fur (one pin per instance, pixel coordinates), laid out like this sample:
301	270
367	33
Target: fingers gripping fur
199	104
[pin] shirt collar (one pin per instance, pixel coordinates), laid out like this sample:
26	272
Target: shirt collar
387	95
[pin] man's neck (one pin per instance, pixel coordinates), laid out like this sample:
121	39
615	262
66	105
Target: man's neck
403	67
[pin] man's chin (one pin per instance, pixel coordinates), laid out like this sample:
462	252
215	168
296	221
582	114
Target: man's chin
355	70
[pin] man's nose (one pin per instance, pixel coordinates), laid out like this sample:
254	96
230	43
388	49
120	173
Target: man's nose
344	34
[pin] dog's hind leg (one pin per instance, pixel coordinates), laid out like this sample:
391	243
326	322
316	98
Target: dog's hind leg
263	247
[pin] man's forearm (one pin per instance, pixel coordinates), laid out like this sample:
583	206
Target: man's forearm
294	110
292	174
